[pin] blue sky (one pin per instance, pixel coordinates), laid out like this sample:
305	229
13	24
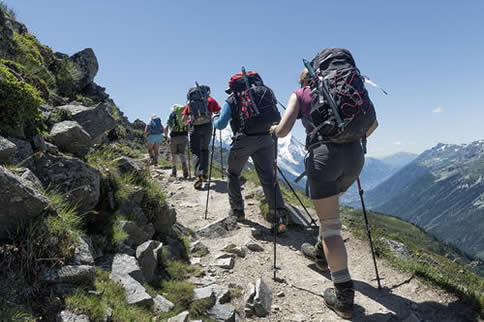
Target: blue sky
427	54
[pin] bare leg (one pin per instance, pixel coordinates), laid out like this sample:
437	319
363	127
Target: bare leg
156	151
334	247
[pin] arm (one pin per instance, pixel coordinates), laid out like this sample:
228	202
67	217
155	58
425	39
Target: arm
372	128
146	130
288	119
221	122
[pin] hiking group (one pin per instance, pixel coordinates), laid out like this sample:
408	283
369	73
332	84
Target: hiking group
338	115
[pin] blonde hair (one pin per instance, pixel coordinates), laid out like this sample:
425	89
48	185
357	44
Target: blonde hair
303	77
153	116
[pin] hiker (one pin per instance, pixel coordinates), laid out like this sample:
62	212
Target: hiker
251	139
198	116
178	138
331	169
154	133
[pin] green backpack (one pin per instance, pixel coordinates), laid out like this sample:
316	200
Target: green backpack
175	121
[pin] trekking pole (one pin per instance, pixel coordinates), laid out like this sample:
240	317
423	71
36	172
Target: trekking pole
297	197
360	191
221	155
189	155
275	268
210	173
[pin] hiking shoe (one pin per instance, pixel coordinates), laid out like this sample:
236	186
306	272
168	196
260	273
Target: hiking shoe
340	299
198	182
238	213
173	172
185	175
204	178
316	254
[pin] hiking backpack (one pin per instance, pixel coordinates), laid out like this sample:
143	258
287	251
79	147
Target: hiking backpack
155	126
175	121
341	110
198	104
253	102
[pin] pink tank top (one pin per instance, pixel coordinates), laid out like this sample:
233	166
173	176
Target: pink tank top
304	99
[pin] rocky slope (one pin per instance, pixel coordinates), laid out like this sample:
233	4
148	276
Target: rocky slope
442	191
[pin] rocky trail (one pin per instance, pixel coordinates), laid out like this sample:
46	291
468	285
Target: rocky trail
297	297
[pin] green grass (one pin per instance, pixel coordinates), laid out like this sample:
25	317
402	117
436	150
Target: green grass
179	270
112	296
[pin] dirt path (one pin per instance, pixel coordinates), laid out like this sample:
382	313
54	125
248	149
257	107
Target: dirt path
402	297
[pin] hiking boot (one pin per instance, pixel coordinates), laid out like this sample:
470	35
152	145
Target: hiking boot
185	171
198	182
316	254
173	172
238	213
204	178
340	299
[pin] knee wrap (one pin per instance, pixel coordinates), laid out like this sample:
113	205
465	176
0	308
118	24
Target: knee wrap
331	228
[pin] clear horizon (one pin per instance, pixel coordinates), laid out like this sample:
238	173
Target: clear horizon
426	55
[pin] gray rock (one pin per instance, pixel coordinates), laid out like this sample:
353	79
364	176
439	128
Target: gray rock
257	233
182	317
20	201
222	312
7	149
413	317
125	249
70	137
133	211
83	253
129	165
173	249
123	264
136	235
139	124
85	68
204	281
224	255
29	176
39	142
162	305
147	255
51	148
222	294
95	120
68	316
79	182
205	293
254	247
198	246
297	216
397	248
135	292
218	228
70	274
249	296
262	299
195	261
24	150
137	194
226	263
164	220
239	251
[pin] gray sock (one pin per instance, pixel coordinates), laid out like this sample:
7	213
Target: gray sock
341	276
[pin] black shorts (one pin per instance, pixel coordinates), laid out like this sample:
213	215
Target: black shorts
332	168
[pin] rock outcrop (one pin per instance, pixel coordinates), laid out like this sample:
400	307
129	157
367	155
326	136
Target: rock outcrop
7	149
86	66
70	137
20	201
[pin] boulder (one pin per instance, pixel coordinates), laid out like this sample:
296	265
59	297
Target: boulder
24	150
139	125
164	220
96	120
125	249
129	165
20	201
174	249
398	249
218	228
226	263
258	299
51	148
205	294
136	234
84	252
86	68
28	176
135	292
79	182
254	247
222	294
7	149
162	305
123	264
132	210
182	317
70	137
147	256
70	274
198	246
68	316
222	312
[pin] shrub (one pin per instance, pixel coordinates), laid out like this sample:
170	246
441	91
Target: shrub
19	103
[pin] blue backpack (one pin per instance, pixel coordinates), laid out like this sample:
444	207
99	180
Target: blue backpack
155	126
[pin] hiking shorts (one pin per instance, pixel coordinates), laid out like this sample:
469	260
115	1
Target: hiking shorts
332	168
178	144
155	138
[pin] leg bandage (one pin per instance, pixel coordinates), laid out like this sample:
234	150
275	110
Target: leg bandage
331	228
